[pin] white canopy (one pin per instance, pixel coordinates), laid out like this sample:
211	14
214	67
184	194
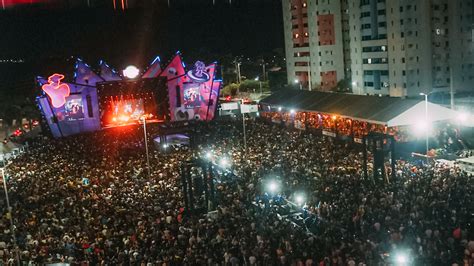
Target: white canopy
416	114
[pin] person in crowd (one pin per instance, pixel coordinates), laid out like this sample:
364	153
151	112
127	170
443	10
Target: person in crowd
122	216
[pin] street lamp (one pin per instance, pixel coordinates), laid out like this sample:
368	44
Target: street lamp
143	118
297	81
260	83
9	208
427	123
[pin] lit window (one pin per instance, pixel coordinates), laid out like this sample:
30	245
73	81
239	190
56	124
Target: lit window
369	61
306	34
304	4
297	35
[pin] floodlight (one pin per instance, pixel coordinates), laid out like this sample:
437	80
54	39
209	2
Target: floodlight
422	128
463	116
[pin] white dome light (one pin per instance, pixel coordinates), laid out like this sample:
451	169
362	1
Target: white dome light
131	72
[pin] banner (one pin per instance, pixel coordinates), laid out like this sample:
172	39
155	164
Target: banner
229	106
248	108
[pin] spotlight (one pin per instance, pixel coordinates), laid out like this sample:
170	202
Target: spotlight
292	111
279	109
131	72
209	155
422	128
165	146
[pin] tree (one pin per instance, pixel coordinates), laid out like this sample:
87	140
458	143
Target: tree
277	80
230	89
249	86
343	86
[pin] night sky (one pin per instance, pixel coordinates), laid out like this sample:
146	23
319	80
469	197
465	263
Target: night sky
45	36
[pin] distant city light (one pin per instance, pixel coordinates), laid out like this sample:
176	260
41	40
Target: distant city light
131	72
208	155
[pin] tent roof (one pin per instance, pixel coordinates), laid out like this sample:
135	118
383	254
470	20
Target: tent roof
380	110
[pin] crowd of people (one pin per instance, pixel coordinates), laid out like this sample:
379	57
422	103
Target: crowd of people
123	216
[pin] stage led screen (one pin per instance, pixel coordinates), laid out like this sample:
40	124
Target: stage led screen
194	95
74	108
127	102
198	102
124	110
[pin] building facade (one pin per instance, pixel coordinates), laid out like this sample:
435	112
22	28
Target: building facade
398	47
314	43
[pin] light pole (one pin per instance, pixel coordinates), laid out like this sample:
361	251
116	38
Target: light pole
239	78
243	126
427	123
9	208
260	82
143	118
297	81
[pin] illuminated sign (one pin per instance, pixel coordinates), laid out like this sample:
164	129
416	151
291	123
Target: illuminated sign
199	73
56	90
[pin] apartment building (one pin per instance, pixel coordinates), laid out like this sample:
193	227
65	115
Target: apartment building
398	47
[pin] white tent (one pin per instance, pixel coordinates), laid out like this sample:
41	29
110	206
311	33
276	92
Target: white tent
417	114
